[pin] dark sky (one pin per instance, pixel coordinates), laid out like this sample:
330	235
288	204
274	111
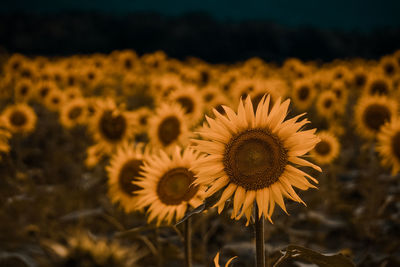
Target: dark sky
337	14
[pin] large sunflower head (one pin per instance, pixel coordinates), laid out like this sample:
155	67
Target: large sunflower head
389	145
167	185
19	118
254	156
372	112
327	149
124	169
168	127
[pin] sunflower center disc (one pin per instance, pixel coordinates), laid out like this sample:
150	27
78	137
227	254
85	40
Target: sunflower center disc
323	148
129	173
255	159
112	126
360	80
396	145
186	103
175	186
328	103
74	113
18	118
24	90
303	93
375	116
379	87
389	69
169	130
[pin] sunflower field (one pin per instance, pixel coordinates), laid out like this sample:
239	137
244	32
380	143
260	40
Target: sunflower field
123	159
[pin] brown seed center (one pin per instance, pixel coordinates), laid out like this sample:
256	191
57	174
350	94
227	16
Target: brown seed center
389	69
360	80
396	145
169	130
128	174
303	93
176	186
375	116
323	148
18	118
328	103
74	113
186	103
255	159
112	126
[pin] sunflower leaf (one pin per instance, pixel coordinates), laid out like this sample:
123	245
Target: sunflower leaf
208	203
298	253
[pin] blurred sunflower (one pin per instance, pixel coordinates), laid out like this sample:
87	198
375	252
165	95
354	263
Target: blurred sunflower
43	89
168	127
142	116
19	118
167	185
253	156
389	145
72	93
55	100
73	112
124	168
111	125
84	250
372	112
23	90
341	92
327	149
389	66
326	104
378	85
359	78
191	101
303	94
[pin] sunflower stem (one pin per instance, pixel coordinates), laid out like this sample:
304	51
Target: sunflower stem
260	250
188	243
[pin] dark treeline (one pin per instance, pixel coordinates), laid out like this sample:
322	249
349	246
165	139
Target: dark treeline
194	34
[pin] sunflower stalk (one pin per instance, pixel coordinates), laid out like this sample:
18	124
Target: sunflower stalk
260	249
188	243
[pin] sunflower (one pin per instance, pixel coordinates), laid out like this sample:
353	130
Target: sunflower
253	156
23	90
111	125
72	93
74	112
359	78
389	66
372	112
327	149
378	85
55	100
142	116
326	104
167	184
19	118
168	127
190	99
303	94
43	89
124	169
341	92
389	145
85	250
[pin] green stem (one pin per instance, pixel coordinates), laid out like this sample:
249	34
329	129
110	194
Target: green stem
260	250
188	244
